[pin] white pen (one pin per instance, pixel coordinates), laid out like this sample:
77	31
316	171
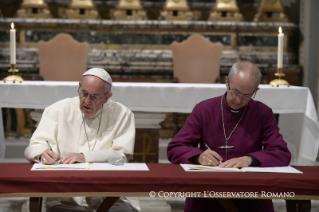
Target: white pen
210	149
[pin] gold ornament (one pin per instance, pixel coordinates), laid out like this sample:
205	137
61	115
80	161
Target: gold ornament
271	11
82	9
129	10
225	10
34	9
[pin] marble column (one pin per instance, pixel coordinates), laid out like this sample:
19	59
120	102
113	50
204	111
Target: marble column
2	144
309	47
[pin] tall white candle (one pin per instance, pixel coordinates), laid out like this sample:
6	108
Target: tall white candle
12	45
280	48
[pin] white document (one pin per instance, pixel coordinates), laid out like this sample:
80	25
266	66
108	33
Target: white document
91	166
124	167
279	169
74	166
201	168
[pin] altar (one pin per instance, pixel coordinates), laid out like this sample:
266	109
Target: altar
298	120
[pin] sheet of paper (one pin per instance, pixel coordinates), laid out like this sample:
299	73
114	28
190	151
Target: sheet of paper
74	166
91	166
279	169
124	167
199	168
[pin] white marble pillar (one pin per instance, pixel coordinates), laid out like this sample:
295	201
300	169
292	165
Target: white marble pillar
2	144
309	46
148	120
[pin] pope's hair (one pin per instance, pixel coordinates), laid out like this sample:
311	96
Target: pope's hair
108	86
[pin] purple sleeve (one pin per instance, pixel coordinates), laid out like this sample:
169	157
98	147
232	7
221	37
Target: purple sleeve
275	152
184	145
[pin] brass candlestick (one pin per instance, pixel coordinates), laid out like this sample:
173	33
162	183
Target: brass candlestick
277	82
13	77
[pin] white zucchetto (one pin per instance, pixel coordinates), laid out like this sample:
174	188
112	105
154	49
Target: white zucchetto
100	73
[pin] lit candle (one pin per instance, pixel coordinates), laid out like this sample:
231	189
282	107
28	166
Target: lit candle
12	45
280	48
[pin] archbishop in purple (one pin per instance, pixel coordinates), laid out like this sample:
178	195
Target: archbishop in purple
232	130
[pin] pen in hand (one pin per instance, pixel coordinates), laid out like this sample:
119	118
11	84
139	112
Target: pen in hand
49	146
58	161
214	156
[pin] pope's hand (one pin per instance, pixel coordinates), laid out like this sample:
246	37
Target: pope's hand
210	158
73	158
49	157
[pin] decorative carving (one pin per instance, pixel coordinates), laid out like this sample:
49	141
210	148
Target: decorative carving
145	57
34	9
178	10
146	146
225	10
129	10
82	9
271	11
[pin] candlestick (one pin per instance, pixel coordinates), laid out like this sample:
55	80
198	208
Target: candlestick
280	48
13	68
12	44
277	82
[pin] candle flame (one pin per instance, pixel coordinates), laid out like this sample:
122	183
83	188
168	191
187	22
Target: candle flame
280	30
12	25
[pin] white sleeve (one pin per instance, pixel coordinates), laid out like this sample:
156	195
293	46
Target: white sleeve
46	131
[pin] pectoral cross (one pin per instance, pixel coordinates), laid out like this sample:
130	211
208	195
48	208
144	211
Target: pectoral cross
226	147
226	139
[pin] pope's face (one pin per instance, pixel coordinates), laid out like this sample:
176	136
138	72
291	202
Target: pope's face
92	87
240	90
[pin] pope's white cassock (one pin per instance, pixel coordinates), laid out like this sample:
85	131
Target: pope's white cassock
110	133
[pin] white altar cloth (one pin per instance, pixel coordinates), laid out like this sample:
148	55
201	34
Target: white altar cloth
298	120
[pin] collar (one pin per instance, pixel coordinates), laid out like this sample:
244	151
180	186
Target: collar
228	108
96	115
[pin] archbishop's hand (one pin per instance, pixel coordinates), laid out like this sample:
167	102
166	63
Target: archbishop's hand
49	157
237	162
209	158
73	158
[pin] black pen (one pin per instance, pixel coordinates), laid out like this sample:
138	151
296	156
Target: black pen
49	146
210	149
58	161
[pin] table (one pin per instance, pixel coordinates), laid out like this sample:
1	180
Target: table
298	117
19	181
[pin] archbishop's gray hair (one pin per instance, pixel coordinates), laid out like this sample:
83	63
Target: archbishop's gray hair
245	66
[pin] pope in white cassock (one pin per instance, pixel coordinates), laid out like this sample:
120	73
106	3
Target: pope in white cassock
87	128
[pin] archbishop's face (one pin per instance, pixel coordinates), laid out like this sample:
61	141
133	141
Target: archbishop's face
240	91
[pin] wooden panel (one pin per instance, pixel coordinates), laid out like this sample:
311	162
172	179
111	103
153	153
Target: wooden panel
146	146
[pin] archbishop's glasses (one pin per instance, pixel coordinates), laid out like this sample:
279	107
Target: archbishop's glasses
235	93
